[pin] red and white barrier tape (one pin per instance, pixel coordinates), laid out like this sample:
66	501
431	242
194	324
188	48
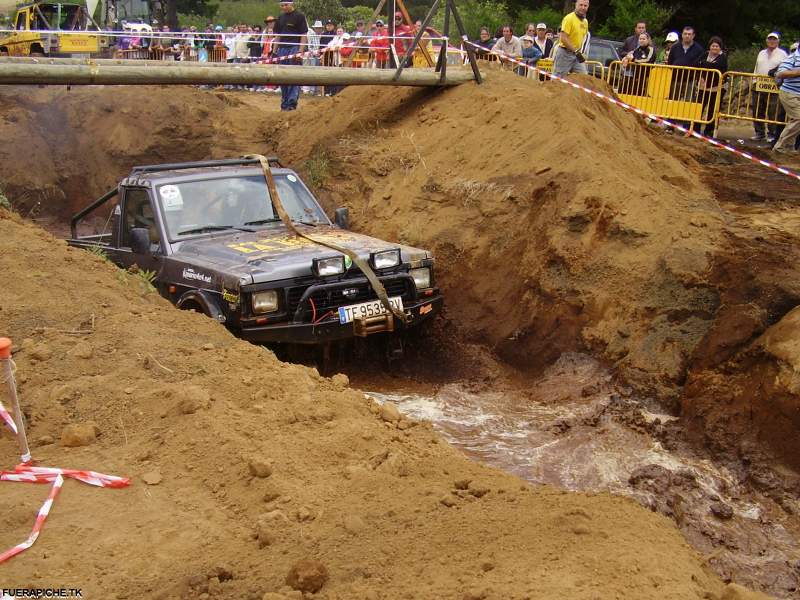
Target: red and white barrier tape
277	59
4	414
746	155
26	473
41	516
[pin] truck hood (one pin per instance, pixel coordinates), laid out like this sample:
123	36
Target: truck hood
275	253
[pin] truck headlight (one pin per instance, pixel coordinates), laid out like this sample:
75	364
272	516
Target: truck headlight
325	267
386	259
422	277
265	302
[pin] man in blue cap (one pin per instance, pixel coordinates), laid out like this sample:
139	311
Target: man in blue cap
291	29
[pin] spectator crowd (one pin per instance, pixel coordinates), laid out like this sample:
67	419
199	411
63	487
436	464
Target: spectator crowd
290	40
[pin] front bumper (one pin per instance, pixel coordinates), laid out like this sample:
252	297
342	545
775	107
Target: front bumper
308	333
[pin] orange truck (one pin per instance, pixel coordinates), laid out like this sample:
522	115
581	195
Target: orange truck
53	29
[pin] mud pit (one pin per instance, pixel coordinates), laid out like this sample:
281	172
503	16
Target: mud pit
647	261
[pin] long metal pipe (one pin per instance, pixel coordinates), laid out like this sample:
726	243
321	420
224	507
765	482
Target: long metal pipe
54	72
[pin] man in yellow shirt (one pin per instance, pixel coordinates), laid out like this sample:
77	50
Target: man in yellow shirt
573	41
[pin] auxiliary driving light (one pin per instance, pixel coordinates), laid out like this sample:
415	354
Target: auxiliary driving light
422	277
385	259
325	267
265	302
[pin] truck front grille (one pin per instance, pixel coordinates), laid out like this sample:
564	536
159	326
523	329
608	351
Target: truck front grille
325	300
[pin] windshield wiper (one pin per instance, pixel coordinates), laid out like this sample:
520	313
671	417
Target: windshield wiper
263	221
205	228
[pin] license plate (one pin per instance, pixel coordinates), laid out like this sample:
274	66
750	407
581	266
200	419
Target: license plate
365	310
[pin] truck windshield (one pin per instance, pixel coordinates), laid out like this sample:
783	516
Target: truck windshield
229	202
67	17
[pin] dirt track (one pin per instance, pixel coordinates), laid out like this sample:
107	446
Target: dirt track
575	232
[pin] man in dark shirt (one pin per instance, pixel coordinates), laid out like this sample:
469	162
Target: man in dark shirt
688	53
632	42
291	29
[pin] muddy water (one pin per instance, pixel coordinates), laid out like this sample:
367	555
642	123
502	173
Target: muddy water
575	429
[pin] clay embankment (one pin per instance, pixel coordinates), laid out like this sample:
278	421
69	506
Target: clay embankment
562	223
257	464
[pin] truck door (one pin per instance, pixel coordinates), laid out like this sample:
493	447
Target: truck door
139	212
14	41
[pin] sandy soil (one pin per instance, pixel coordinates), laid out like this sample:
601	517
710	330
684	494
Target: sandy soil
559	224
257	464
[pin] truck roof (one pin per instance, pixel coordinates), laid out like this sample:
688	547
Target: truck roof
29	4
200	173
210	169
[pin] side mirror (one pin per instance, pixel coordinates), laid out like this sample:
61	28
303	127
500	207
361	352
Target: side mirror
140	240
341	217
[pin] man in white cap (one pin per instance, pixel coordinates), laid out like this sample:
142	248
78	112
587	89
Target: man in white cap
672	37
765	103
312	37
541	40
291	29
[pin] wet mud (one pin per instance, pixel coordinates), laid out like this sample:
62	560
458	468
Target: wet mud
578	429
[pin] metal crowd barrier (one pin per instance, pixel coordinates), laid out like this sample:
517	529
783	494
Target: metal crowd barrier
679	93
751	97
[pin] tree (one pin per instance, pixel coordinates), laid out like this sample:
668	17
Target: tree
625	14
476	14
545	14
357	13
322	9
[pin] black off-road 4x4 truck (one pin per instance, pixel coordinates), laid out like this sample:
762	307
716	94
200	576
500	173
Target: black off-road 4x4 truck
214	237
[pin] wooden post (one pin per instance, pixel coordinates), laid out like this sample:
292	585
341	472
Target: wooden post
401	5
417	38
12	72
465	38
443	52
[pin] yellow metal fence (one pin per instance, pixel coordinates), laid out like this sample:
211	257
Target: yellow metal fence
750	97
679	93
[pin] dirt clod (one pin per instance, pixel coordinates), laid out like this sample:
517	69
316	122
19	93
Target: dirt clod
307	576
152	477
82	350
721	510
79	434
389	413
259	467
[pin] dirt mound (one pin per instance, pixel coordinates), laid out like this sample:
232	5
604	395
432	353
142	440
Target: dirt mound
561	223
246	469
63	148
759	385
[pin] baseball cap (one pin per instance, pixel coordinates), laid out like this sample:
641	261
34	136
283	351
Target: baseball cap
526	38
269	19
398	14
541	26
218	28
329	22
672	37
774	34
378	22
